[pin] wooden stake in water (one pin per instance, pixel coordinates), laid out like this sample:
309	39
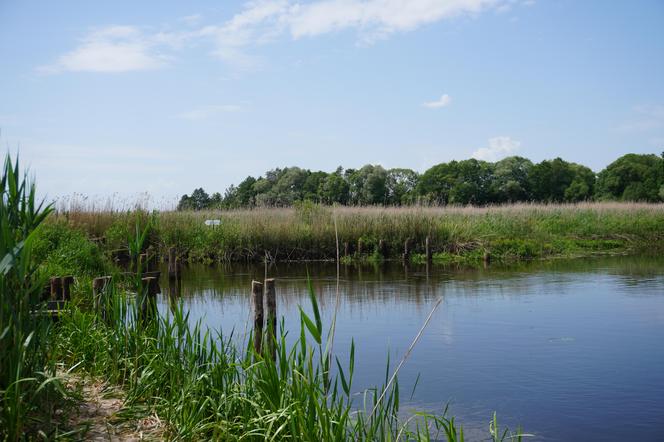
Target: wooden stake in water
171	263
406	249
257	302
359	247
381	248
178	268
427	249
271	304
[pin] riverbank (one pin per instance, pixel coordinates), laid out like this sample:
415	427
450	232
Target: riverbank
455	234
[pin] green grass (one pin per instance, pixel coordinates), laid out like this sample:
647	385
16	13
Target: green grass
456	233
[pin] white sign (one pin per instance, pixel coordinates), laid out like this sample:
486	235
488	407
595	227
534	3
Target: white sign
212	222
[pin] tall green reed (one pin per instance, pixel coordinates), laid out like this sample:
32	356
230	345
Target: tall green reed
27	372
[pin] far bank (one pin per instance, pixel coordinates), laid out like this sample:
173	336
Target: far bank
449	234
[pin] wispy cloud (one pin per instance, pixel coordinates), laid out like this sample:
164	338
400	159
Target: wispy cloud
112	49
444	100
191	20
499	147
205	112
129	48
380	17
646	118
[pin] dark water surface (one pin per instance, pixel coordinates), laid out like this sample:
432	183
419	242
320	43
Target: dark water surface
569	350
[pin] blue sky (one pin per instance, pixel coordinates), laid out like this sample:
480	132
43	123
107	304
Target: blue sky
128	97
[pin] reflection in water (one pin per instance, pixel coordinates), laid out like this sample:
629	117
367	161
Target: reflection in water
561	346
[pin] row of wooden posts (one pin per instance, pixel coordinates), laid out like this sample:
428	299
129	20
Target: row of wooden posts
147	261
259	292
407	249
59	290
382	248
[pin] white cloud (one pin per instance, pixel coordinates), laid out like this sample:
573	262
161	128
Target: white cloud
381	17
204	112
127	48
111	49
444	100
264	21
499	147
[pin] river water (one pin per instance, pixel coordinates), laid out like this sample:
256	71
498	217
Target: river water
567	349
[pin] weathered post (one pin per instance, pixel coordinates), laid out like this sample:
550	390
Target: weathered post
406	249
257	302
271	303
487	258
56	288
171	263
427	249
148	260
178	268
346	249
359	247
381	248
67	281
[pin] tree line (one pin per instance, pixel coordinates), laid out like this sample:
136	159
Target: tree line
632	177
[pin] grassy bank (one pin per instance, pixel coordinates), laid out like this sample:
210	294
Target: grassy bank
307	232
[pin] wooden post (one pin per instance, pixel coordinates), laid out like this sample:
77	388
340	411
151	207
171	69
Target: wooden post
153	285
151	256
56	288
427	249
406	249
46	292
172	271
67	281
381	248
178	268
148	259
359	247
99	286
271	303
346	249
257	301
487	257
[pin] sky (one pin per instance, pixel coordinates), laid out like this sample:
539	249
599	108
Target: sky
119	99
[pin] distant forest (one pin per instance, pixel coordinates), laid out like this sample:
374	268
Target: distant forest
632	177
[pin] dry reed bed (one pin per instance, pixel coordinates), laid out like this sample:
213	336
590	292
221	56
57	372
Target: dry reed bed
308	231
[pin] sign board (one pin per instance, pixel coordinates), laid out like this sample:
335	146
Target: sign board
212	222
